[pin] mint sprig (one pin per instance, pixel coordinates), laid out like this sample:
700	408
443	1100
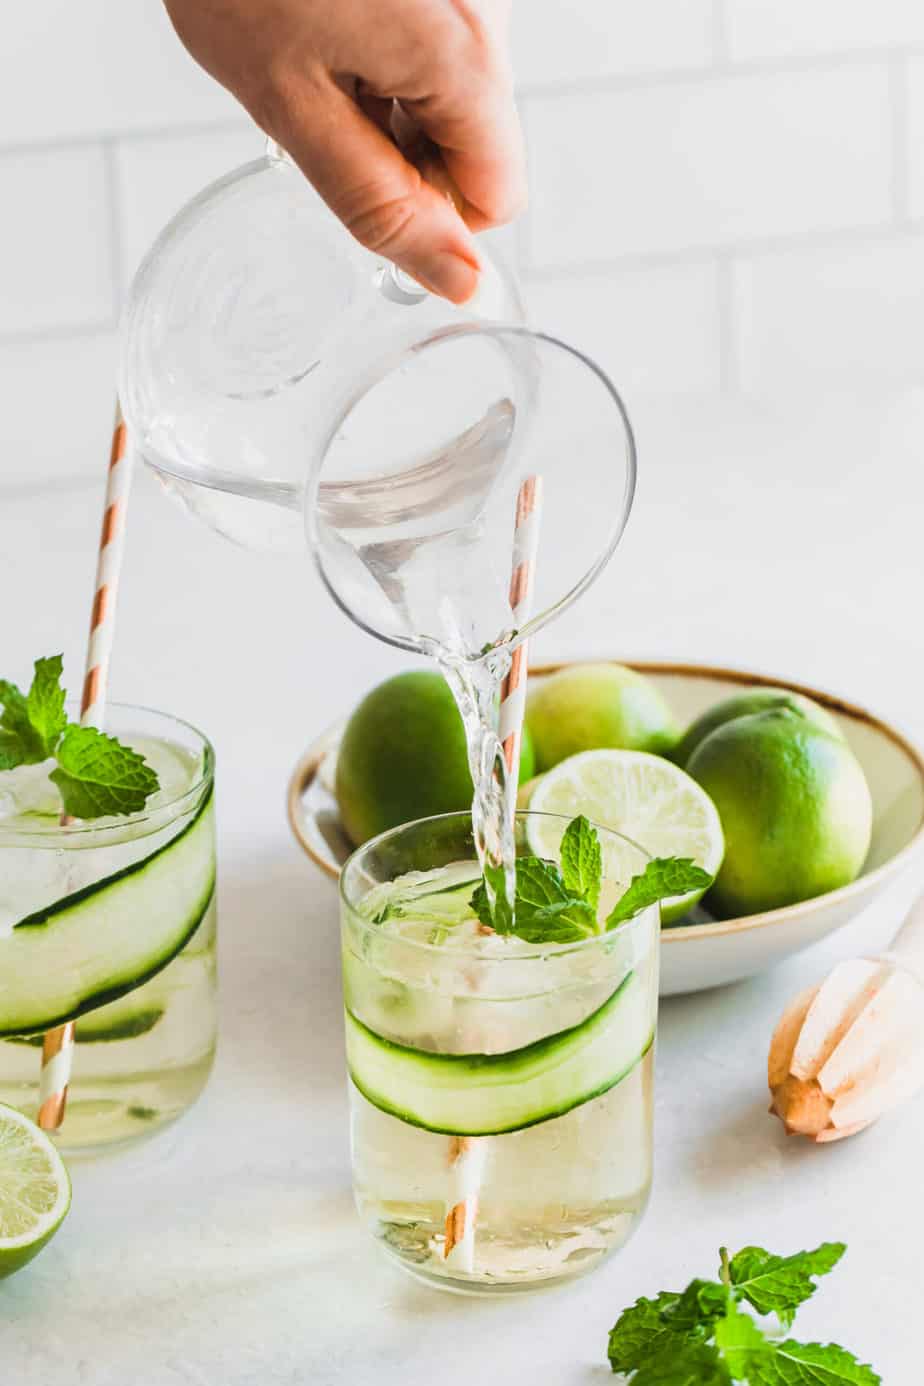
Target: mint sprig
96	775
559	904
662	878
779	1284
704	1336
582	860
45	703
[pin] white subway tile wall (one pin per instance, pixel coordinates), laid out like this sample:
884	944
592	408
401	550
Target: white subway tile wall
641	325
768	29
914	111
56	265
727	196
158	175
100	67
662	170
560	41
829	313
56	405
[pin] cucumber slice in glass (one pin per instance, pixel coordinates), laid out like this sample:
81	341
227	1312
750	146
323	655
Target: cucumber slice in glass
93	946
131	1023
488	1094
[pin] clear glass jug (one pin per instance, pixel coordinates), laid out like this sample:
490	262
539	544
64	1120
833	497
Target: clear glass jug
281	379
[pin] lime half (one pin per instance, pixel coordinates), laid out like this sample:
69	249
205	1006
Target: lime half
35	1191
648	799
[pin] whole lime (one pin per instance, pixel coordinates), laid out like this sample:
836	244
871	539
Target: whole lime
795	808
742	705
403	756
589	706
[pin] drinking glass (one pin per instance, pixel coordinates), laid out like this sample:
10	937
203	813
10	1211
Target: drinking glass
111	922
500	1091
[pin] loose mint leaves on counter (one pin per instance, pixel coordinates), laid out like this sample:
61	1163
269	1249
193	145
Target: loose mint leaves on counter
704	1336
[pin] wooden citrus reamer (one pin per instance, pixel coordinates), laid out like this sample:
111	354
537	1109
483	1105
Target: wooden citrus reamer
851	1048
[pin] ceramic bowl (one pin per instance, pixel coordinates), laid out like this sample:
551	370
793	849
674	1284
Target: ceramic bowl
710	953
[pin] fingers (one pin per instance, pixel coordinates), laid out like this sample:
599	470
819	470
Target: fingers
380	197
471	114
485	159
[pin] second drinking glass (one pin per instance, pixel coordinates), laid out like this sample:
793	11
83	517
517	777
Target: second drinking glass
501	1092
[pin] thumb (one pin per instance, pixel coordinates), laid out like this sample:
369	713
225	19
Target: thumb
376	192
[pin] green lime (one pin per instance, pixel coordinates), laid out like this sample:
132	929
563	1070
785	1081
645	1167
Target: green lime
644	797
403	756
795	807
590	706
527	756
742	705
35	1191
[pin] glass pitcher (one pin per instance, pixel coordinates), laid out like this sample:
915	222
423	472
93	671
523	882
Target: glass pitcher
283	380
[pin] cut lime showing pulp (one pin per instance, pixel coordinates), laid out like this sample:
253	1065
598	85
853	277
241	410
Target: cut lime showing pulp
35	1191
644	797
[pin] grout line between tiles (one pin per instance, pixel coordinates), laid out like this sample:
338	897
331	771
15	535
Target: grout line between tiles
29	490
835	237
723	70
57	332
52	144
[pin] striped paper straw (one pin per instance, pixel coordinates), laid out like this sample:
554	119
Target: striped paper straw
58	1045
467	1159
468	1154
522	581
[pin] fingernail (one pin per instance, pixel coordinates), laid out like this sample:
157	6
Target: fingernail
448	274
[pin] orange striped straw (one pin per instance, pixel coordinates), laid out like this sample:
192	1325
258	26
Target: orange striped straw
58	1046
522	582
467	1154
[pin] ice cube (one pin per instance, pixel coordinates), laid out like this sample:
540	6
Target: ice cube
176	768
27	791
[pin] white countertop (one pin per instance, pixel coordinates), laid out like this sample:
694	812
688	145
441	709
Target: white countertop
226	1251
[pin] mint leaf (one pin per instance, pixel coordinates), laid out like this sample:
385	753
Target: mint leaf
496	915
650	1326
12	752
809	1364
545	911
740	1342
662	878
703	1338
480	905
31	724
19	744
97	776
45	703
779	1284
581	860
640	1332
539	883
686	1364
567	922
702	1302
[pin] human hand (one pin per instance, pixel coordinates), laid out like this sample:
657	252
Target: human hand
332	80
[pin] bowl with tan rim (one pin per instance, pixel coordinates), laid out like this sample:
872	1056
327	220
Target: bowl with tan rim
706	952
